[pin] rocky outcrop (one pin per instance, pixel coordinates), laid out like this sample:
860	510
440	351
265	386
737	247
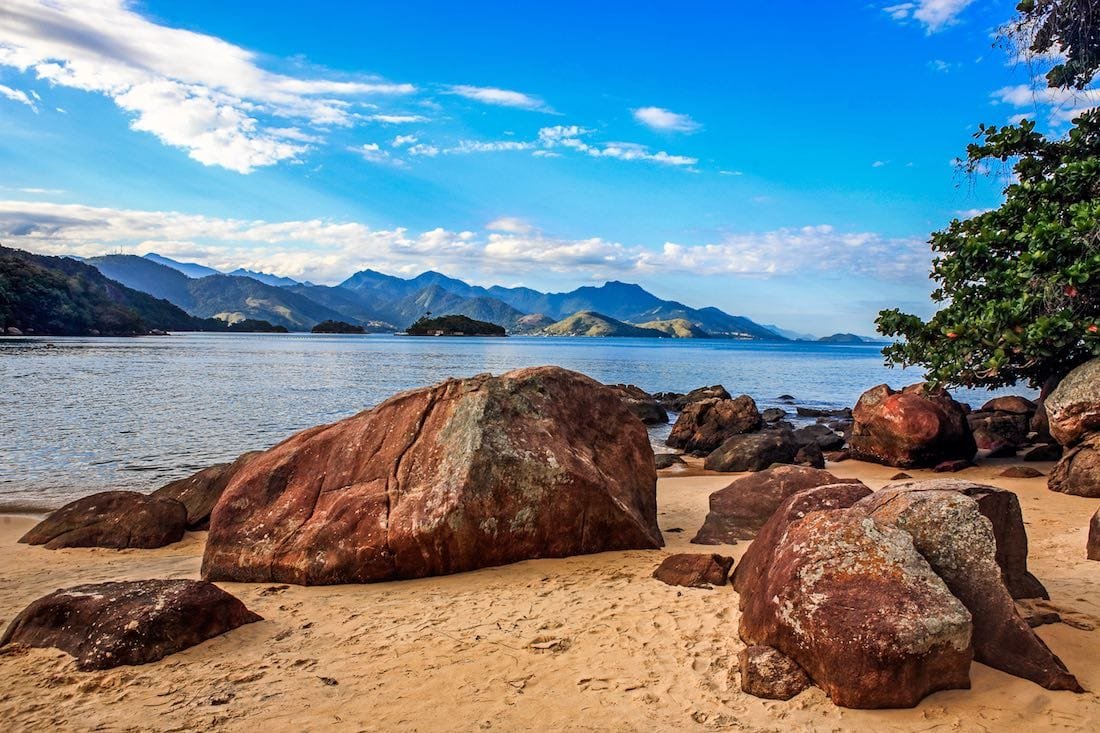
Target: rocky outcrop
916	427
738	511
705	424
770	674
114	519
469	473
998	430
820	435
105	625
1013	405
1078	473
1073	408
693	570
809	455
854	604
666	460
1093	548
753	451
676	401
644	406
200	492
949	531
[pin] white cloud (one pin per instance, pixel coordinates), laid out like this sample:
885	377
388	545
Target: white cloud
373	153
731	173
663	120
426	151
934	15
494	146
396	119
880	163
1061	105
510	224
329	251
569	136
501	97
193	91
400	140
16	95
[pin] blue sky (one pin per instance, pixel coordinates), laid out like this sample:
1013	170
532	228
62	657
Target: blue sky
785	162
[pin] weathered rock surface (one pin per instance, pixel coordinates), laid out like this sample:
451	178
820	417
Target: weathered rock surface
1021	472
115	519
642	404
469	473
676	401
1093	549
1012	404
916	427
1042	452
954	466
693	570
770	674
810	455
844	412
1078	473
854	604
773	414
1073	408
996	429
820	435
201	491
753	451
705	424
666	460
738	511
105	625
948	529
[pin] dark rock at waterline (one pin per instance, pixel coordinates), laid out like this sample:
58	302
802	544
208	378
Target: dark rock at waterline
913	428
753	451
201	491
770	674
642	404
468	473
705	424
676	402
773	414
114	519
666	460
844	412
105	625
823	436
694	570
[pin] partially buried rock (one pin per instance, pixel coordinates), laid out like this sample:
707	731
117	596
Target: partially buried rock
1078	473
105	625
1021	472
738	511
469	473
958	542
753	451
644	406
900	476
916	427
1073	408
770	674
694	571
705	424
954	466
810	455
1093	550
201	491
113	519
666	460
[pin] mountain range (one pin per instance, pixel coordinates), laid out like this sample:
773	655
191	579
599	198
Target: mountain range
382	302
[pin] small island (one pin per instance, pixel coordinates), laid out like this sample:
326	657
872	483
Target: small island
337	327
454	325
254	325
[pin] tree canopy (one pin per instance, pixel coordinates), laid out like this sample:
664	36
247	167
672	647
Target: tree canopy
1070	28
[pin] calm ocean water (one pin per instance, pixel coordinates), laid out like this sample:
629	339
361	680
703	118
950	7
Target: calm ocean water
83	415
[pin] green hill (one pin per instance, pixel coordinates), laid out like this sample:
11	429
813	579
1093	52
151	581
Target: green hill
680	328
590	323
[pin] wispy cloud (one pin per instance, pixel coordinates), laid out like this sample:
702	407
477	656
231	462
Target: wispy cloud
663	120
328	251
17	95
373	153
1059	105
397	119
500	97
934	15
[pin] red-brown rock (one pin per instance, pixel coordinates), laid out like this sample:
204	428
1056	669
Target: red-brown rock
770	674
854	604
201	491
466	474
916	427
753	452
705	424
738	511
115	519
1093	549
948	529
996	429
1021	472
1078	473
105	625
959	464
693	570
644	406
1073	408
1013	404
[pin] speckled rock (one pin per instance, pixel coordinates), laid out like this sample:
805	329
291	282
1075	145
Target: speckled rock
105	625
114	519
469	473
753	451
705	424
1078	473
694	570
644	406
738	511
1073	408
914	428
948	529
770	674
201	491
854	604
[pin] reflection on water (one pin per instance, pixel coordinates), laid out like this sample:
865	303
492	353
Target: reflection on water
80	415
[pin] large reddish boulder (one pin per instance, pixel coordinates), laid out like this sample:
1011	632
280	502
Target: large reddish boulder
1078	473
705	424
644	406
738	511
1073	408
469	473
1093	548
201	491
916	427
948	529
694	571
105	625
854	604
114	519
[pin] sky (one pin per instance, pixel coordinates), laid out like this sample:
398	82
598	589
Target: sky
783	161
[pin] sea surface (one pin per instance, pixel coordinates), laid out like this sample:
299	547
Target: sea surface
80	415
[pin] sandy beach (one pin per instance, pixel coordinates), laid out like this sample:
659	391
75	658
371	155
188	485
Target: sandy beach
587	643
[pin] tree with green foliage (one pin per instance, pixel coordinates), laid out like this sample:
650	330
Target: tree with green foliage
1070	28
1020	284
